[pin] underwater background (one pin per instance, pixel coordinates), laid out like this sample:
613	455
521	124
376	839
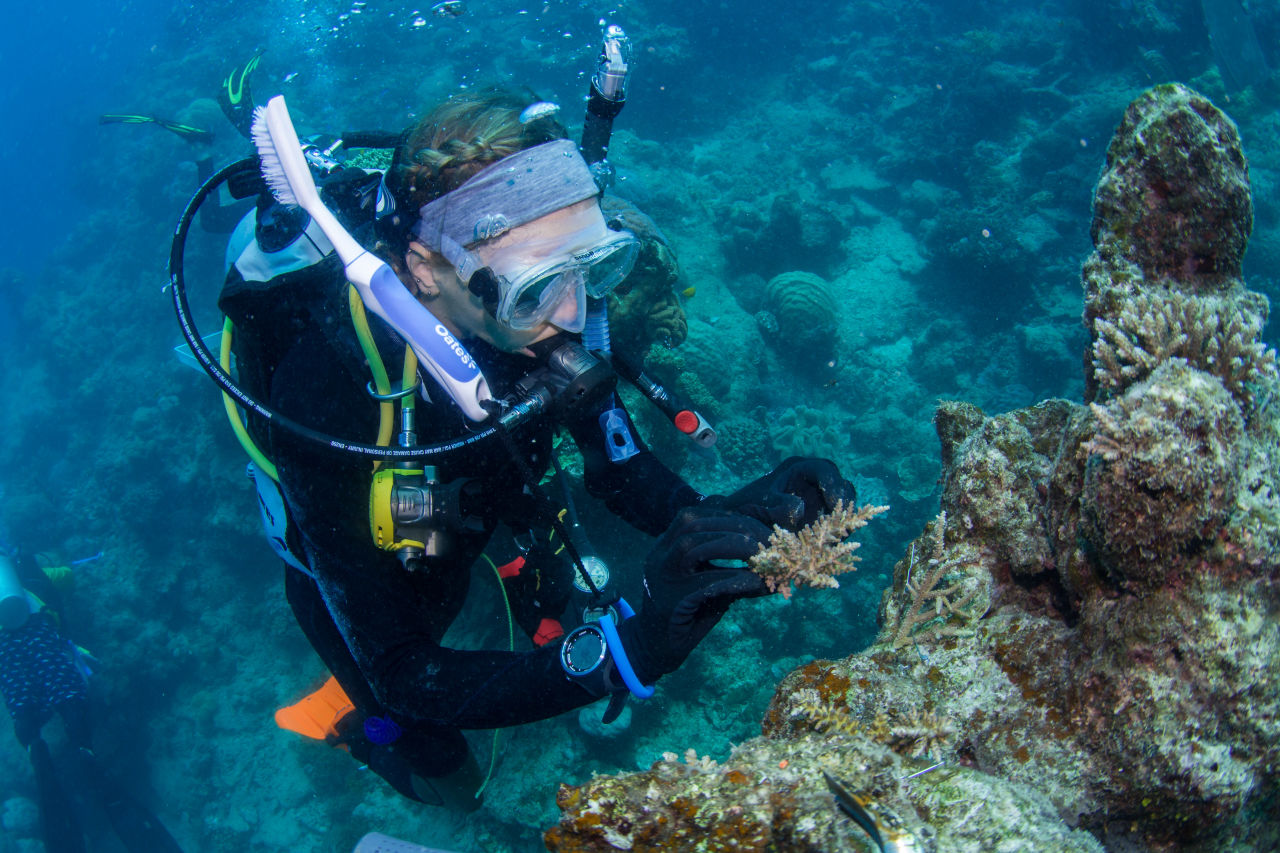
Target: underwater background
912	179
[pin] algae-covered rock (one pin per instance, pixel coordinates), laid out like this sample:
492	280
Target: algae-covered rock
1174	199
772	795
1163	472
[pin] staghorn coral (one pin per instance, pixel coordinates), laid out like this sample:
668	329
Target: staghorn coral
915	733
814	555
1214	334
942	598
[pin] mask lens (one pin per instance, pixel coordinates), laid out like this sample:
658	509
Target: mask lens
538	298
607	266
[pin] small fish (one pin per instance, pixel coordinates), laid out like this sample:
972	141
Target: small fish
688	292
885	829
288	78
448	9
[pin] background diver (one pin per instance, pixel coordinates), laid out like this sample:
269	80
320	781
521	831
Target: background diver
42	672
492	262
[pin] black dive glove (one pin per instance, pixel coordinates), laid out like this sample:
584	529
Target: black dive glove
792	495
685	594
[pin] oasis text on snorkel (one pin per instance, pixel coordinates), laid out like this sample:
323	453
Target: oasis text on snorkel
457	348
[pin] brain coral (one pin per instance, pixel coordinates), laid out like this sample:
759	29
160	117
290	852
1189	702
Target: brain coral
805	310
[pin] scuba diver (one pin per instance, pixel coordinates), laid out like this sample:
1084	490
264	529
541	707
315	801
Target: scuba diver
42	672
479	309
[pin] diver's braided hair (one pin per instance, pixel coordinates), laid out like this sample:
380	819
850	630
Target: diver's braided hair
455	141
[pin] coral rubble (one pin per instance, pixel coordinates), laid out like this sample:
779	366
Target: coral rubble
1081	649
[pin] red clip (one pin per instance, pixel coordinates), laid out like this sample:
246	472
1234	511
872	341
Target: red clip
512	569
548	630
686	421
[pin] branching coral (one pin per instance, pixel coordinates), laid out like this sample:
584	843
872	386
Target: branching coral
915	734
945	595
814	555
1215	334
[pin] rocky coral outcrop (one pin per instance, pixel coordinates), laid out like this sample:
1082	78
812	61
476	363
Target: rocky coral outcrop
1085	637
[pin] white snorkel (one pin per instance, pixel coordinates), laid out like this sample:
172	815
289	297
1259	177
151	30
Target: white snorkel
287	174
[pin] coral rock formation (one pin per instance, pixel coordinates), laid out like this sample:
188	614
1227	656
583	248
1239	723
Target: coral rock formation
1085	639
1174	200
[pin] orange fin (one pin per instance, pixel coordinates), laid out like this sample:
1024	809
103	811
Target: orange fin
316	716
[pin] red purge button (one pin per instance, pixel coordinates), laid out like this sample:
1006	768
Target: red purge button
686	421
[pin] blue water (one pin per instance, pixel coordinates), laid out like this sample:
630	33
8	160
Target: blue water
932	162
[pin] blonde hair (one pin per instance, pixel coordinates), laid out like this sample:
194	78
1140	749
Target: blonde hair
459	138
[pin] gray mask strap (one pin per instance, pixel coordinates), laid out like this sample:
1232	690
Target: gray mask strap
463	261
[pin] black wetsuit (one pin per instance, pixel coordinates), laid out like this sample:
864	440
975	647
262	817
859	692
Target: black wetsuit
376	625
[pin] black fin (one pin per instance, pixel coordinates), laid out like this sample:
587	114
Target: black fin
59	826
186	131
236	98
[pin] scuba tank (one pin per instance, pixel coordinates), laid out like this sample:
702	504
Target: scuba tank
14	606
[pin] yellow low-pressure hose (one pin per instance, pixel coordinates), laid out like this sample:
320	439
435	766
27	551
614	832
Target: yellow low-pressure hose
233	412
381	383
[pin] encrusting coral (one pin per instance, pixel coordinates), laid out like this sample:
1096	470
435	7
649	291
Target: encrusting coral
1111	573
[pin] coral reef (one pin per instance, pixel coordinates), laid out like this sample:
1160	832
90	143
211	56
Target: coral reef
900	135
803	431
1088	630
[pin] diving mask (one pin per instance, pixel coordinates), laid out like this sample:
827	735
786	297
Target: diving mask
530	282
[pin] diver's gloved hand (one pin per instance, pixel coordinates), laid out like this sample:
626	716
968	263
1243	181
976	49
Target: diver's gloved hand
792	495
687	588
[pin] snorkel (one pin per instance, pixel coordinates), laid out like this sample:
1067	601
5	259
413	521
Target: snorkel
605	99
